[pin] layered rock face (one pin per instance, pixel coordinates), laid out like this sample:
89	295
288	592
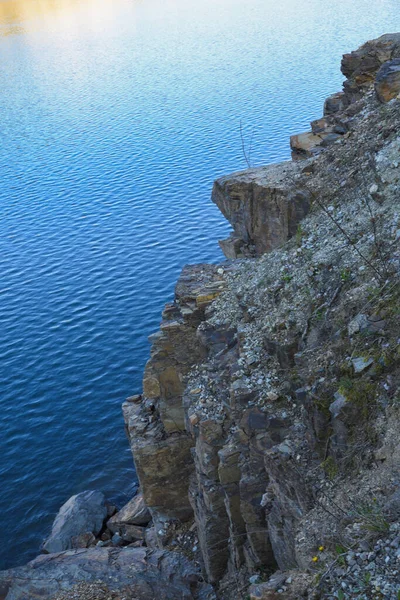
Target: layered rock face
237	429
374	63
266	436
361	66
264	207
155	421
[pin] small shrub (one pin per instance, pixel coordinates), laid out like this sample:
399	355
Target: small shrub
372	518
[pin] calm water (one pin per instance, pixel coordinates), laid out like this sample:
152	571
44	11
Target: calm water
115	117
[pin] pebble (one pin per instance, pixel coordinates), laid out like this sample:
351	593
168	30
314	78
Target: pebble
374	569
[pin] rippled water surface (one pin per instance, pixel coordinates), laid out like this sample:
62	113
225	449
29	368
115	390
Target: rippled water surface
115	117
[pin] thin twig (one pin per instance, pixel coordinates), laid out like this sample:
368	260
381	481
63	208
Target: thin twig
243	146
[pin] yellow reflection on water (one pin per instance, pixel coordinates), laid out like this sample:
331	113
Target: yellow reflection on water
16	15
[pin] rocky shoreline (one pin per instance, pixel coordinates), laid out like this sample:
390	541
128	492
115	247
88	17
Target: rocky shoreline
266	436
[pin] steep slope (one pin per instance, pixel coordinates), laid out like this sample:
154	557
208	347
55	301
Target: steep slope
266	436
297	387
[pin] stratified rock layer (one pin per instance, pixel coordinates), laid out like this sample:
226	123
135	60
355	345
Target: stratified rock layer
236	427
264	207
387	83
267	429
361	66
155	421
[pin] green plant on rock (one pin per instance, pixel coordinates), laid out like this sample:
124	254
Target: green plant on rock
361	393
367	579
286	277
371	517
345	275
340	553
300	233
330	467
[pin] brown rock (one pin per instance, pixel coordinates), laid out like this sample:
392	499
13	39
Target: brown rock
335	104
133	513
263	205
387	82
304	145
361	66
156	423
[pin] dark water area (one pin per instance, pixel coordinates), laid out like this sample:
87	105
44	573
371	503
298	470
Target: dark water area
115	118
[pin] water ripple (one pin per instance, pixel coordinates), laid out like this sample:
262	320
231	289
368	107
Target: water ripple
116	117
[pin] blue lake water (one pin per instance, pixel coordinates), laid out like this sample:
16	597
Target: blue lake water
115	118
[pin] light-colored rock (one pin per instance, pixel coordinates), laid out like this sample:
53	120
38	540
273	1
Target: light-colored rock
360	364
133	513
304	145
359	323
81	514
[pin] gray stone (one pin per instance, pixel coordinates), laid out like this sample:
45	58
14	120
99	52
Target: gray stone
277	580
392	506
116	540
137	573
339	403
359	323
81	514
360	364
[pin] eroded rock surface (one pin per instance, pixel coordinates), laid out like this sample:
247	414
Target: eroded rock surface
81	515
139	573
277	346
264	207
155	421
387	82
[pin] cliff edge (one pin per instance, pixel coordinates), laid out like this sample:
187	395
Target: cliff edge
266	436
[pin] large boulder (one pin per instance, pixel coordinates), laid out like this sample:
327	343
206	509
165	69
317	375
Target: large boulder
387	83
132	573
133	513
304	145
80	515
361	66
263	205
129	522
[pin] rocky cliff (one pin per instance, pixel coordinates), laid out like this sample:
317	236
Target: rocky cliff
266	436
283	369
